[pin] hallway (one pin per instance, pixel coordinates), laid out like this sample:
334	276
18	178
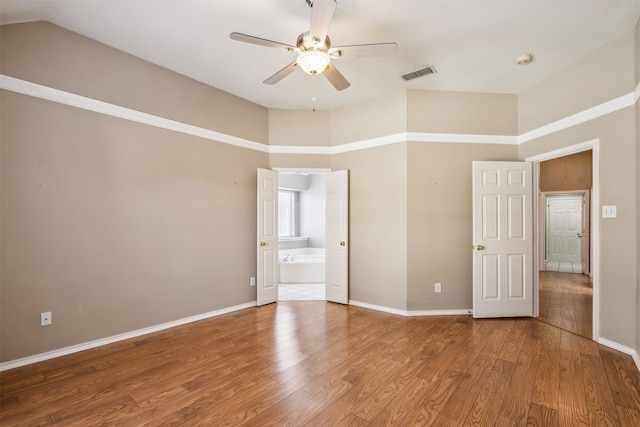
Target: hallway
566	301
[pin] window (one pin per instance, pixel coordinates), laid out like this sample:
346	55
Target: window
287	213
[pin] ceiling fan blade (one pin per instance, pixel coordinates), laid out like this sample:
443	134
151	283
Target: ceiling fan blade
262	42
321	14
282	73
335	78
362	50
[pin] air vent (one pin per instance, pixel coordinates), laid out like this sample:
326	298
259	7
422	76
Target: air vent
424	72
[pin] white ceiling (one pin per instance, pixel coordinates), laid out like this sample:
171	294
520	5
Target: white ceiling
472	44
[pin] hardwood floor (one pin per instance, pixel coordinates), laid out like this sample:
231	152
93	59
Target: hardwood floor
566	301
316	363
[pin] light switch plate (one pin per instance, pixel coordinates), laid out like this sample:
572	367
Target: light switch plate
609	211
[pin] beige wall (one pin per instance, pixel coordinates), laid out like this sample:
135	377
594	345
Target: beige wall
440	221
44	53
299	128
599	77
113	225
302	161
377	224
466	113
373	119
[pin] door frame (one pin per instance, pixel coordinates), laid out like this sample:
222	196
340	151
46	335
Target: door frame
309	171
594	146
586	221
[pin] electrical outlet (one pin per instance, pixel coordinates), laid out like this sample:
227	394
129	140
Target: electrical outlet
252	281
438	287
45	318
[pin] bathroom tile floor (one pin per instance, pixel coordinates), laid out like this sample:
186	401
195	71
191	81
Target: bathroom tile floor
301	291
563	267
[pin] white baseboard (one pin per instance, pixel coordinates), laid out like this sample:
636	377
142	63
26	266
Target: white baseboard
461	312
378	307
115	338
621	348
133	334
397	311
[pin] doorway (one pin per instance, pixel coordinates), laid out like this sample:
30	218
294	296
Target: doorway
566	231
301	236
566	301
569	300
336	265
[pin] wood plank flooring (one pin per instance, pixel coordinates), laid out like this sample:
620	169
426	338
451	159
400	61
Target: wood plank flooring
566	301
313	363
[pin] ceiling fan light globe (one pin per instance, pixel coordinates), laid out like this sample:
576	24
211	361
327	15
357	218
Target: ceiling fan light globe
313	61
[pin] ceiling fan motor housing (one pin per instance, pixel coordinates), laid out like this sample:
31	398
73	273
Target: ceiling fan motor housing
306	42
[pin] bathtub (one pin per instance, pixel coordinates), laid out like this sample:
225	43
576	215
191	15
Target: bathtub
304	265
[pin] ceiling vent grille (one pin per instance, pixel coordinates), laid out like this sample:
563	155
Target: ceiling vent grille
423	72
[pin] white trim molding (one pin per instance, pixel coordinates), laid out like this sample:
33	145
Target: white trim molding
564	151
461	138
61	97
381	308
121	337
370	143
55	95
303	170
463	312
411	313
636	93
299	149
623	349
451	138
581	117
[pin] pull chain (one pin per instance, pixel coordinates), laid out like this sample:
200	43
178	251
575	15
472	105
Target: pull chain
313	97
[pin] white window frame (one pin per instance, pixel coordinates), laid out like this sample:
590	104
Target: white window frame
292	207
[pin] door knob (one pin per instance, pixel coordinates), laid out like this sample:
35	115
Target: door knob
263	243
580	235
479	247
343	243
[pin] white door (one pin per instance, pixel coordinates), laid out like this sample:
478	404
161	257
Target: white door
267	274
502	239
337	233
564	229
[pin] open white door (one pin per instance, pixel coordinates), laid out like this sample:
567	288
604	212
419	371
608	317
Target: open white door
502	239
267	274
337	233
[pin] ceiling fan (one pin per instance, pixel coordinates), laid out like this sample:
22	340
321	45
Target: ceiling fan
314	47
